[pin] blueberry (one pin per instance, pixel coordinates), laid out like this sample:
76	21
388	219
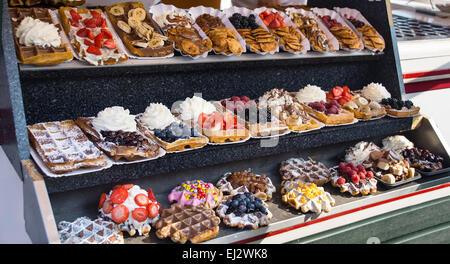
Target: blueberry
242	196
248	194
258	200
235	203
243	202
242	208
228	202
251	206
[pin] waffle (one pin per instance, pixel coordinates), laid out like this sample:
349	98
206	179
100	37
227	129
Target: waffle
250	218
80	44
364	186
63	147
363	108
226	136
196	193
146	148
177	145
24	2
404	112
344	116
185	222
309	171
241	181
143	41
85	231
35	54
306	197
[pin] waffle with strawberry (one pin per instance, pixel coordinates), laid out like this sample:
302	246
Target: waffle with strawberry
90	36
222	127
131	208
353	179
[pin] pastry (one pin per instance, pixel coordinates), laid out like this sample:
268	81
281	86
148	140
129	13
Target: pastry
246	181
359	153
196	193
400	108
375	92
370	35
306	197
308	171
138	31
63	147
389	166
363	108
423	159
132	208
330	113
256	37
184	223
114	131
396	143
90	36
244	210
343	33
311	30
86	231
224	40
37	38
258	120
222	127
288	37
353	179
158	123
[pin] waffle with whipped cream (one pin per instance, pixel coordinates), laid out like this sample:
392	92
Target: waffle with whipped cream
63	147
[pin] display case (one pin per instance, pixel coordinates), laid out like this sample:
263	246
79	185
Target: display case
70	90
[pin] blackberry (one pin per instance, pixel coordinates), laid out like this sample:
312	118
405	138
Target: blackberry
409	104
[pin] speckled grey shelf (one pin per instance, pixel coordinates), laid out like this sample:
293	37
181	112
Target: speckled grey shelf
214	155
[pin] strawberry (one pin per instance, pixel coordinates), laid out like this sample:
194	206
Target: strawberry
102	200
151	196
95	14
340	181
90	22
99	21
118	195
103	25
107	207
342	101
73	23
270	18
278	17
235	98
275	24
90	34
337	91
106	33
120	214
94	50
110	44
141	199
87	42
153	210
282	23
369	174
127	186
201	119
362	175
77	17
261	15
361	168
159	207
245	99
83	32
140	214
266	12
98	40
355	178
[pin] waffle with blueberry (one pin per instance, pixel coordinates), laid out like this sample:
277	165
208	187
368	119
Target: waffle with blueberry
399	108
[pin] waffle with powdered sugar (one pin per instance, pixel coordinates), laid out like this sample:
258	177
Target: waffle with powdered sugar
86	231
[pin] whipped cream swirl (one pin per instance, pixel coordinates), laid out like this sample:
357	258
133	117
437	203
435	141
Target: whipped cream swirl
191	108
310	94
34	32
396	143
157	116
375	92
114	119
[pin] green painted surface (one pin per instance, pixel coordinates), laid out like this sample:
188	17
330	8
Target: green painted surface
424	223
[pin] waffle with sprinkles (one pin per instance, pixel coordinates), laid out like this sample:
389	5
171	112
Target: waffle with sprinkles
196	193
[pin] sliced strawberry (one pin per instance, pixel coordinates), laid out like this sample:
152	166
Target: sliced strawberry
270	18
110	44
127	186
141	199
140	214
275	24
153	210
159	207
151	196
120	214
77	17
90	34
98	40
337	91
201	119
87	42
90	22
99	21
73	23
282	23
106	33
261	15
103	25
118	195
343	101
95	13
83	32
102	200
267	12
266	22
107	207
94	50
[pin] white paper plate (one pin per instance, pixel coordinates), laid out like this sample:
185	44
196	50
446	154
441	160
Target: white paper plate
48	173
305	42
334	15
162	9
321	125
346	124
200	10
246	12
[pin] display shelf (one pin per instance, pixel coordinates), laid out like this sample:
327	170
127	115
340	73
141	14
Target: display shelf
215	154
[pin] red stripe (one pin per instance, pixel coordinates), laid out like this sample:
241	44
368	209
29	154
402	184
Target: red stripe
427	85
425	74
248	240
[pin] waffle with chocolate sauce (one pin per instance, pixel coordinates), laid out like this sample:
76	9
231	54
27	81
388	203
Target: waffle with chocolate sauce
36	54
63	147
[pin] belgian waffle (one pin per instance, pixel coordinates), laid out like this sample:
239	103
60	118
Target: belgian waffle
133	39
35	54
85	231
344	116
147	148
308	171
306	197
63	147
224	136
185	222
240	181
364	186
